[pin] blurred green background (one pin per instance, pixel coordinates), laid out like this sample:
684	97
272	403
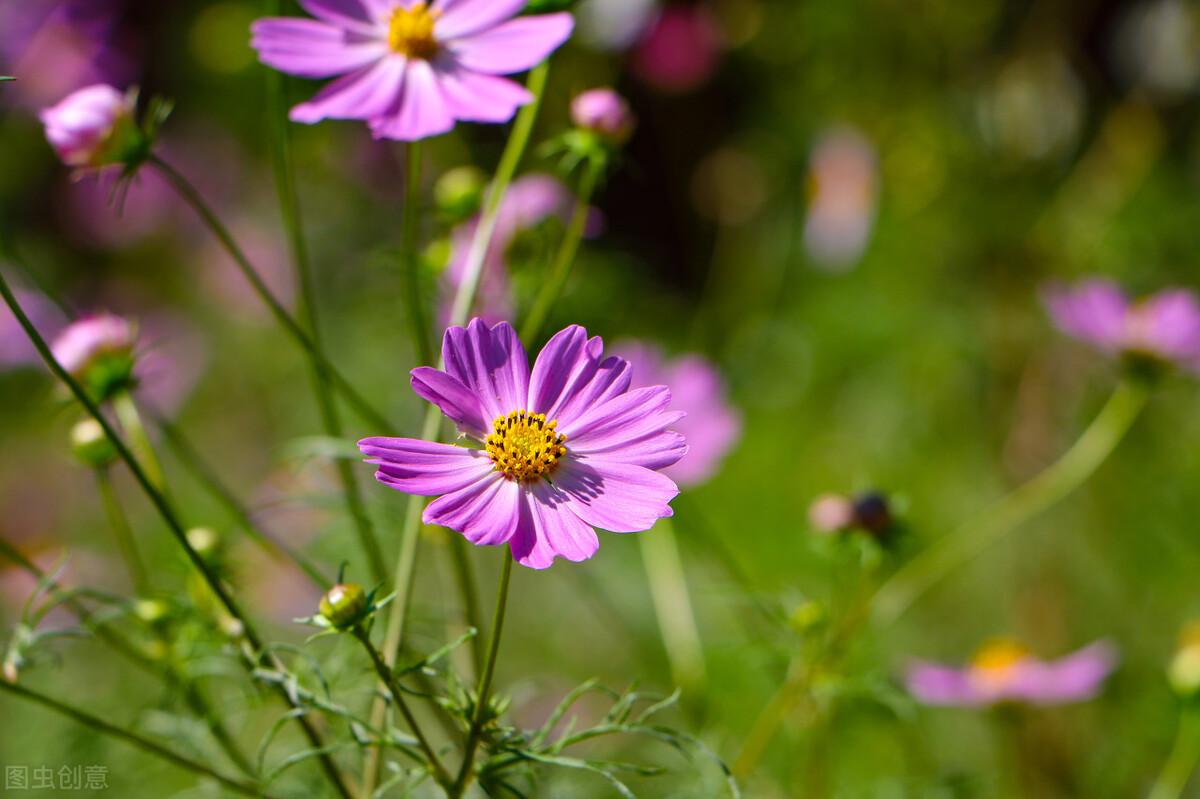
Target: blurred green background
852	214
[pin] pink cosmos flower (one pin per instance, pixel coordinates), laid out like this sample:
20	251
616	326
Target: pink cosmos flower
411	69
1004	671
712	426
680	50
564	448
844	193
530	200
85	128
605	112
91	338
1163	327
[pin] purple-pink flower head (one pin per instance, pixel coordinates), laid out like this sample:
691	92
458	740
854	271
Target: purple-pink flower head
98	351
712	425
1164	327
411	69
605	112
563	448
680	50
90	127
1005	671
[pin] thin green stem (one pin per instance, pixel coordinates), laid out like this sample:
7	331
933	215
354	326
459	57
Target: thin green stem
356	400
465	577
131	421
164	508
132	738
464	299
1185	754
553	286
388	678
411	257
673	606
289	209
1052	485
190	458
119	523
139	658
483	691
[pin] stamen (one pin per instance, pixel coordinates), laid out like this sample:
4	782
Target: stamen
524	446
410	32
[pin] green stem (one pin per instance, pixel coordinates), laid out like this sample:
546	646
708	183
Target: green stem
465	577
208	478
673	606
131	421
164	508
123	533
411	257
1181	763
388	678
553	287
483	691
289	209
357	402
132	738
770	719
135	655
1052	485
464	299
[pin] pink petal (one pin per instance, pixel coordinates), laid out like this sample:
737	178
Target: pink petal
486	512
568	360
1093	311
452	397
491	362
424	467
1073	678
360	95
514	46
1169	324
363	16
615	496
611	379
419	112
934	684
475	97
629	416
312	49
464	17
548	529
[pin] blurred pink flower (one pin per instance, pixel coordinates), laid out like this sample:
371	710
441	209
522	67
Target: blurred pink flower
1004	671
605	112
411	70
680	49
15	348
57	46
844	193
530	200
84	341
1164	326
711	425
85	127
170	360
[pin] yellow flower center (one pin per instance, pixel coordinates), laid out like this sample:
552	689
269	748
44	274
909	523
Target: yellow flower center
994	662
411	32
524	447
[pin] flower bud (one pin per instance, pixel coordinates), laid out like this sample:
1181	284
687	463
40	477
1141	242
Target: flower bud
91	445
831	513
98	351
94	127
873	513
459	192
151	611
1183	673
604	112
344	605
205	540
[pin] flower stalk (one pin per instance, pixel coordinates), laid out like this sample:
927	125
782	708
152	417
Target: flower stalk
409	221
1034	497
673	606
131	422
165	509
145	744
1185	754
483	691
